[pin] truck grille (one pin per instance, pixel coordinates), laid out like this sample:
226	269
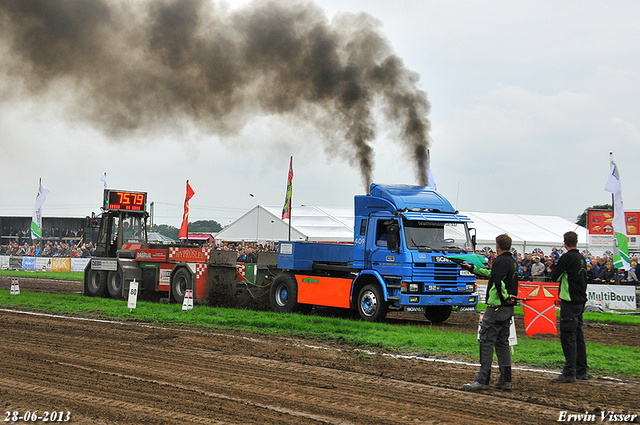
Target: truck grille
439	273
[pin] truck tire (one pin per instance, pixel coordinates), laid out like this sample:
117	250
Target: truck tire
284	294
180	282
97	283
438	313
371	304
114	285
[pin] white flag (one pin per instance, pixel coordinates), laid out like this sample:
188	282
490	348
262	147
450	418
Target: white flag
104	179
621	248
36	219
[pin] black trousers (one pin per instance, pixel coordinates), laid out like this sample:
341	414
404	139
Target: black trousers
494	333
572	339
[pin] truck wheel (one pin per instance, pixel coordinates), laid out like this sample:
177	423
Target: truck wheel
284	294
97	283
438	313
114	285
371	304
179	284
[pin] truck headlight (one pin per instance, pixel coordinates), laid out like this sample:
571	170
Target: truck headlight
413	287
471	287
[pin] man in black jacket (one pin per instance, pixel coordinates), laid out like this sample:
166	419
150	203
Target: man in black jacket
571	272
502	290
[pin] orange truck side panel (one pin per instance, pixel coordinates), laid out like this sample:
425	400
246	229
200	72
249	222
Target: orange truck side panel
325	291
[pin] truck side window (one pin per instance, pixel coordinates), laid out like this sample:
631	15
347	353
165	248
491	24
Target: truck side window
381	233
363	227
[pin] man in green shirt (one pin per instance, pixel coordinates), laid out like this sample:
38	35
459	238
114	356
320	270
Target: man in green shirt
502	290
571	272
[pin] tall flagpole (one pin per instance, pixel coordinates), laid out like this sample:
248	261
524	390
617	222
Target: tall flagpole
286	209
290	218
621	246
290	198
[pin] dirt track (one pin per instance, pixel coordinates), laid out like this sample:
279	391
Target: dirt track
105	372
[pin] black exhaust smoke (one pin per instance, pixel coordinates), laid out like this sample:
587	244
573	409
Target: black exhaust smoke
138	66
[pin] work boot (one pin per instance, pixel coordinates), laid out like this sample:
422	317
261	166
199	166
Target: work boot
563	379
502	385
475	386
584	377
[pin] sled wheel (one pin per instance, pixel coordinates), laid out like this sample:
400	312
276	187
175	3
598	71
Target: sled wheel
179	284
284	294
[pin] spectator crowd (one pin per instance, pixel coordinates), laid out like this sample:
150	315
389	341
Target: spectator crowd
48	249
536	266
247	253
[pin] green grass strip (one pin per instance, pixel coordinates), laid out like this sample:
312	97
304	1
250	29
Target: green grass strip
35	274
427	340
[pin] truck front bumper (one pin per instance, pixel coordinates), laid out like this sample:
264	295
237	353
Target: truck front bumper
438	299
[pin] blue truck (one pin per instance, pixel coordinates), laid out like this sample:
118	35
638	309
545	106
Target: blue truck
400	260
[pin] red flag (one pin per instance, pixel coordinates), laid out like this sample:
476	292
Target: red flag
539	303
185	216
286	210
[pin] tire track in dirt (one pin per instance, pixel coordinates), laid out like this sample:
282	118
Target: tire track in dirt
81	397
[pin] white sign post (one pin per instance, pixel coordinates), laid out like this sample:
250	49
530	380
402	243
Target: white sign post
513	337
133	294
187	303
15	288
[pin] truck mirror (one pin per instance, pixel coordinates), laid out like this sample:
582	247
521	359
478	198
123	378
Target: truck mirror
393	237
472	232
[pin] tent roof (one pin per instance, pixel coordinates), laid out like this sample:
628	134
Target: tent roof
264	223
529	228
314	223
526	231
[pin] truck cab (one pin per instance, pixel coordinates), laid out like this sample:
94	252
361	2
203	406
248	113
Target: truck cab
404	234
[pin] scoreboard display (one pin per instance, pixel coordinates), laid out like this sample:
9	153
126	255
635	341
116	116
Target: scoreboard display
121	200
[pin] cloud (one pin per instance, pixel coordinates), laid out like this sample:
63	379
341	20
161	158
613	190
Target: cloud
536	148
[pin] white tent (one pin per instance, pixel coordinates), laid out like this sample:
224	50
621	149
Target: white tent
335	224
308	223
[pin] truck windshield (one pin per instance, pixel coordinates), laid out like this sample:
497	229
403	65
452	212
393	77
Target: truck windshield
436	236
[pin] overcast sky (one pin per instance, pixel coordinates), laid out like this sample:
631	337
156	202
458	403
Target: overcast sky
527	100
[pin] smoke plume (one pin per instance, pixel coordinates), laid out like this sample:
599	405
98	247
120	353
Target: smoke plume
130	66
